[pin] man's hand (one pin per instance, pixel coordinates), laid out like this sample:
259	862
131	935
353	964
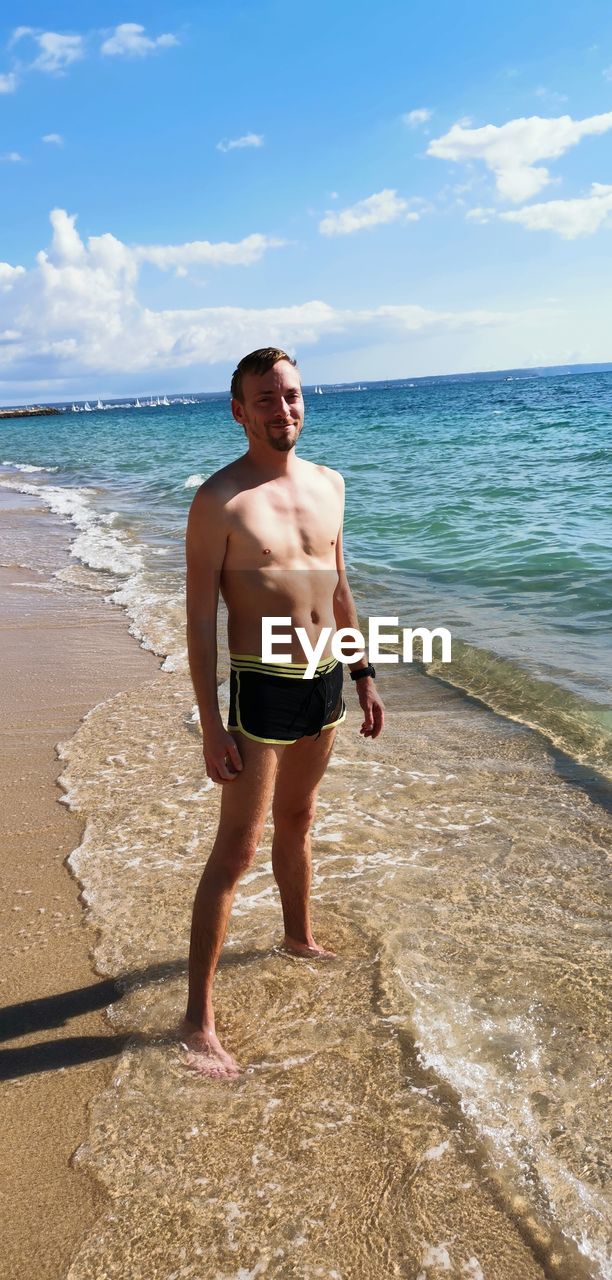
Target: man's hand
221	755
372	706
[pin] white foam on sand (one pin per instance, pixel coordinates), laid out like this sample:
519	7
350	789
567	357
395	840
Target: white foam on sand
472	1270
97	544
27	466
243	1273
156	618
437	1257
504	1117
434	1255
434	1153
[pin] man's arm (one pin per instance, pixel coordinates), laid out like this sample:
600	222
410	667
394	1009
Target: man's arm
206	543
345	615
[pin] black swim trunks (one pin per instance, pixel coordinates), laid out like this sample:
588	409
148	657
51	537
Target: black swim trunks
272	702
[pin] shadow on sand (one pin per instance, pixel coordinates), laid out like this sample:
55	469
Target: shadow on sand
33	1016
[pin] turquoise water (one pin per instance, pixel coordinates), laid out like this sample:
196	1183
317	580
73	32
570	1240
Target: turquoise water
482	506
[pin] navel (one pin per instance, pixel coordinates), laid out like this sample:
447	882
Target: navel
266	551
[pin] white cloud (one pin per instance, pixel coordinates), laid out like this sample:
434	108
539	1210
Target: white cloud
12	157
607	73
481	215
420	115
19	33
56	51
54	138
550	95
108	253
77	312
247	140
511	150
241	253
8	275
130	41
383	206
569	218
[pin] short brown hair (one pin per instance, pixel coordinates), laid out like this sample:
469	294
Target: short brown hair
257	362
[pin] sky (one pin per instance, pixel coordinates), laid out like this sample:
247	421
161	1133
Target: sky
385	191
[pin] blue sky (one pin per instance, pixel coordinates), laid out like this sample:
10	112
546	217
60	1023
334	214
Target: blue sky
387	191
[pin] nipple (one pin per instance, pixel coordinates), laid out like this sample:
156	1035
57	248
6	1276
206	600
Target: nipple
266	551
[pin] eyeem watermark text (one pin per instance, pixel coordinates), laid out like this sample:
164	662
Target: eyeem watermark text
348	644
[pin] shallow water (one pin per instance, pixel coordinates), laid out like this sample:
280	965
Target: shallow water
439	1086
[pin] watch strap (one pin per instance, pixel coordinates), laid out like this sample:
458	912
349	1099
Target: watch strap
361	672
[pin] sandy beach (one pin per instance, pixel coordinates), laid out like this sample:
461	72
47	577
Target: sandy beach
63	652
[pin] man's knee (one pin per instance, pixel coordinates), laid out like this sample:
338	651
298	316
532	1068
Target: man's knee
234	853
294	820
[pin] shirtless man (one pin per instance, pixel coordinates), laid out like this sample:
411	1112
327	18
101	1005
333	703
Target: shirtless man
266	531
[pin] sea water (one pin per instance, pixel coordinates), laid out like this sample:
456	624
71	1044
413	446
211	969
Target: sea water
482	506
433	1101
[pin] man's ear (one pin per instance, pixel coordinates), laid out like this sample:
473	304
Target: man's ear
238	411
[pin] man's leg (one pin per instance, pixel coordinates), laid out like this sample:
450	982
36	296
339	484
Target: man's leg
295	794
244	805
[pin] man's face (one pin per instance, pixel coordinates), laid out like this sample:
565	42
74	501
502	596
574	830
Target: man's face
272	408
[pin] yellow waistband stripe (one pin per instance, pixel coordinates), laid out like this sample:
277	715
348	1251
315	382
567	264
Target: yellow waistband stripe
292	670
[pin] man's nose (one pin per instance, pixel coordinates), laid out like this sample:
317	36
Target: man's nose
283	408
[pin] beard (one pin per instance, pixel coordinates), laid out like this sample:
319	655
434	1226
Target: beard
283	442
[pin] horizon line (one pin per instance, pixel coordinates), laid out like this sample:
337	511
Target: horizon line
602	366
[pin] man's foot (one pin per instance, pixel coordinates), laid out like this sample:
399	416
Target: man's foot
312	950
205	1053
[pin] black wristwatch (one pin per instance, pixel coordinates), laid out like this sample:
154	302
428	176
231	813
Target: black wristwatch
363	671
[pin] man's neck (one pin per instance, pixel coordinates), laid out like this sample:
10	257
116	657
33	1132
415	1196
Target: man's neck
271	463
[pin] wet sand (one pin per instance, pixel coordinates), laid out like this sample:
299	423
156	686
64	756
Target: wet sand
62	652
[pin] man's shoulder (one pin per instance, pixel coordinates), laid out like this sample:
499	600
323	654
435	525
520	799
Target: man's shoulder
325	474
221	485
209	506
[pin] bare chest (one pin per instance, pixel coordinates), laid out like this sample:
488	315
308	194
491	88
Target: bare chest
273	528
